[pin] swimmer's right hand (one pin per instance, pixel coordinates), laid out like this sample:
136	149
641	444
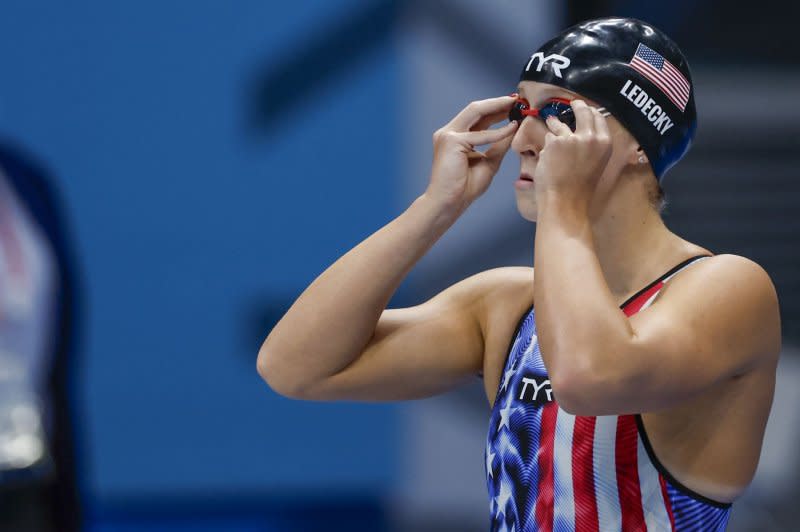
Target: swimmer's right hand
460	173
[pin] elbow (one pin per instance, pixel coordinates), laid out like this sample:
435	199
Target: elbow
264	362
268	368
595	378
570	394
574	404
584	391
264	368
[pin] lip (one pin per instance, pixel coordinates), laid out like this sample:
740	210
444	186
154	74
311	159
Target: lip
524	181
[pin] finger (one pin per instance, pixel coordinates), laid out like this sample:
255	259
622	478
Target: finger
603	111
489	120
601	124
485	169
584	121
488	136
548	139
477	110
498	150
558	127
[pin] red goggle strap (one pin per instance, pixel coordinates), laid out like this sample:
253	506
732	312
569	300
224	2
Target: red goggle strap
535	112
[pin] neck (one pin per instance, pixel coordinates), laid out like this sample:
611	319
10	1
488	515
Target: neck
633	245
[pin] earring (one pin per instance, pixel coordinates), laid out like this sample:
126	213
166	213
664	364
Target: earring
641	158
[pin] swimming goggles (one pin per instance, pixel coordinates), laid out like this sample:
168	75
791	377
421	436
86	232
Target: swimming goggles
558	107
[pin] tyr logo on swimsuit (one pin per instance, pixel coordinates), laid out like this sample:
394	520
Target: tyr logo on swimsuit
535	390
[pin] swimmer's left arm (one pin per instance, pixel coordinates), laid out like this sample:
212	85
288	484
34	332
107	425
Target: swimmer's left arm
714	321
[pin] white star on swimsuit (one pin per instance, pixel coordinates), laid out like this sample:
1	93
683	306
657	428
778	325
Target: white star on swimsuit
505	414
507	378
502	498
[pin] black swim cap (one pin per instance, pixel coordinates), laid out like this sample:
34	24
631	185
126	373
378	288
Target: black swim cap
635	71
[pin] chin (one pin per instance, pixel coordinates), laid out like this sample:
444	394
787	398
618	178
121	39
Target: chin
527	208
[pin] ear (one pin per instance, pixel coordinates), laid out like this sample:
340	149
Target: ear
638	156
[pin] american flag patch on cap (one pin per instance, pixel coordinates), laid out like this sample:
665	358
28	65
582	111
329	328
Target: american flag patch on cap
666	77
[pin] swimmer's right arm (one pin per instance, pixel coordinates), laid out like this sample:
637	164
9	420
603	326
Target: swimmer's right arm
338	340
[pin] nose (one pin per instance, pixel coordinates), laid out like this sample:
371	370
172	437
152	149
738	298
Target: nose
529	138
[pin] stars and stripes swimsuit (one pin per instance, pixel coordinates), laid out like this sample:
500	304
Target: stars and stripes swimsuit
548	470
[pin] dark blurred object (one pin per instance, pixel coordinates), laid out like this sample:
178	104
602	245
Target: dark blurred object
712	31
44	495
578	10
262	315
323	58
319	61
333	512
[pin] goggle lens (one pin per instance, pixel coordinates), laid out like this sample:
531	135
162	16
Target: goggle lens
558	107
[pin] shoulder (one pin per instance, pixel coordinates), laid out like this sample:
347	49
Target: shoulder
489	295
499	288
504	281
487	286
726	297
727	276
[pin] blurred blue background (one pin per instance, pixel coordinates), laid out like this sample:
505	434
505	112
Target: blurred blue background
214	158
180	215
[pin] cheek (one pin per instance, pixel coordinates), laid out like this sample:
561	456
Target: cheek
614	167
616	161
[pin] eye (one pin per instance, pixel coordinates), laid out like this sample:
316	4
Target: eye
517	110
568	117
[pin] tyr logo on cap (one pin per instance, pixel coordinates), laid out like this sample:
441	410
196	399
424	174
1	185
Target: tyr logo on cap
557	62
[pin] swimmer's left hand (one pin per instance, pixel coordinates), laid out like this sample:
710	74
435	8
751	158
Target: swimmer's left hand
570	164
